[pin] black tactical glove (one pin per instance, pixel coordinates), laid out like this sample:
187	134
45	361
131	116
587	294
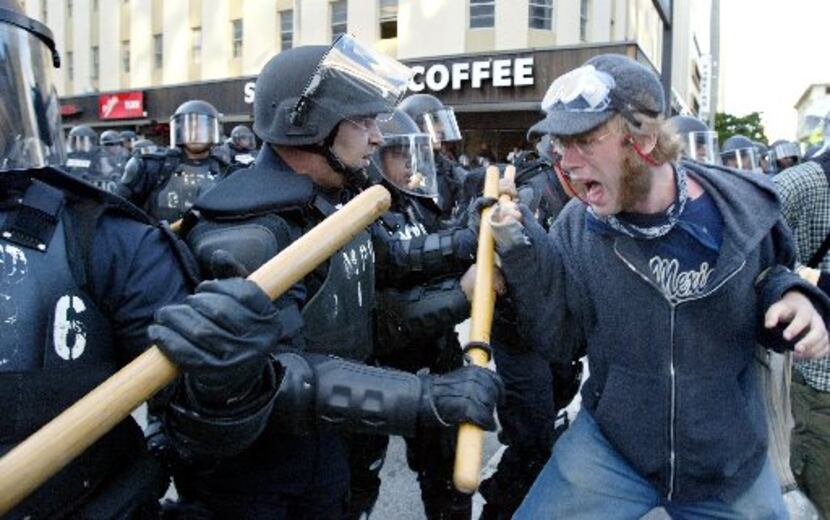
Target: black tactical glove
468	394
221	336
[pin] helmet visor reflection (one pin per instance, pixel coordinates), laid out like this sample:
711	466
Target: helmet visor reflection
741	159
194	129
406	162
30	135
702	146
441	125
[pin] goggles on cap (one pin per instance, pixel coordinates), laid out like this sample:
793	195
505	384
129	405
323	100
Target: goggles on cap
581	90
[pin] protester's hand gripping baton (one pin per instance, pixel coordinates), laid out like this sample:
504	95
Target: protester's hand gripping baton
47	451
470	437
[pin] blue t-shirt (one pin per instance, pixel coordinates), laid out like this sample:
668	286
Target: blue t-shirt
683	260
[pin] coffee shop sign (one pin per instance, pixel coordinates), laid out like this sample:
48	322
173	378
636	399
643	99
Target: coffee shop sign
502	72
506	72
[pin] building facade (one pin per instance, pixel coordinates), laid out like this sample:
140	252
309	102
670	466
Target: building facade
144	48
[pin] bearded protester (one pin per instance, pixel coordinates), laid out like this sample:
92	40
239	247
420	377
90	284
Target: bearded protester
668	274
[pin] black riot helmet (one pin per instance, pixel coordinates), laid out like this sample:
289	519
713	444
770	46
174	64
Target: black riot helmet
405	158
128	138
302	95
82	139
432	117
699	142
740	152
242	138
30	121
783	154
110	138
194	122
144	147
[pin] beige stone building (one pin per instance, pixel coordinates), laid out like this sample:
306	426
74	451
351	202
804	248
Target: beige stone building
150	45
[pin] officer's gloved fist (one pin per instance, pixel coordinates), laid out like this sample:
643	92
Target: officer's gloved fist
220	336
468	394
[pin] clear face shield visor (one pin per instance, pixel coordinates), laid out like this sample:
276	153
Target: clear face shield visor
30	122
441	126
81	143
406	162
784	150
701	146
194	129
741	159
244	142
353	81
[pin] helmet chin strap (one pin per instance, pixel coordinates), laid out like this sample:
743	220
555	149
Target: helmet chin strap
355	177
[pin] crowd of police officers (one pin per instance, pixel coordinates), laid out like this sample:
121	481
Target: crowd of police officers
285	408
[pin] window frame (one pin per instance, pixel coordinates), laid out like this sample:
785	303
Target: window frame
491	4
283	15
236	43
547	7
345	22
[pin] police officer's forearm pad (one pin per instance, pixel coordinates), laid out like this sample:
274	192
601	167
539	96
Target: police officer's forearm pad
329	392
198	431
425	311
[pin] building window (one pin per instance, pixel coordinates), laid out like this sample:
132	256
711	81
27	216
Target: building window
388	19
125	56
584	7
540	14
237	37
95	62
69	8
44	10
158	51
196	45
70	65
95	5
286	29
338	18
482	13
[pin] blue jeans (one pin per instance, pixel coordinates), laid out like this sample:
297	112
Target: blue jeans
586	478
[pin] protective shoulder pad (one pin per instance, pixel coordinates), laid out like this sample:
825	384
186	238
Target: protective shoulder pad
258	190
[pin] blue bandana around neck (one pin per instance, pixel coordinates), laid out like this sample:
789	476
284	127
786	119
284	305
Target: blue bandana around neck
672	215
663	224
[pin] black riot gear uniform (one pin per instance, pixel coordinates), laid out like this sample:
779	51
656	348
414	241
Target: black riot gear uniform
293	465
167	182
430	342
69	273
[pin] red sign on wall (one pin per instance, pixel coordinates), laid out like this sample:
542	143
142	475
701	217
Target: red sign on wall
123	105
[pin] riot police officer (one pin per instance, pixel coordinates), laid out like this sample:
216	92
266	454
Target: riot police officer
74	259
315	109
438	121
82	151
699	142
167	183
128	140
739	152
434	303
242	145
784	154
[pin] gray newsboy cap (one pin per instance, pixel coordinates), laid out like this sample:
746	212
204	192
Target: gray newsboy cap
637	89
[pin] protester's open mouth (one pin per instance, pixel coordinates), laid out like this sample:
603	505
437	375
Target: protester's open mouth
593	191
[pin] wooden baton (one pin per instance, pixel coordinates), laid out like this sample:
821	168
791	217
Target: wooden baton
470	437
47	451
